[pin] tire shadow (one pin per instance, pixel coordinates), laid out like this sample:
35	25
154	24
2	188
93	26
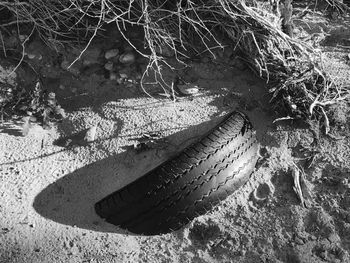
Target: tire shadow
71	199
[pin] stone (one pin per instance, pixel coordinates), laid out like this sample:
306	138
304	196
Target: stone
188	89
113	76
90	134
111	53
109	66
31	56
22	38
127	58
123	75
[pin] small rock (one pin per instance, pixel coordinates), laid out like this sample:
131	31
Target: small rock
127	58
22	38
31	56
312	237
333	238
323	254
109	66
62	87
299	241
345	182
26	126
32	119
90	134
113	76
189	89
123	75
111	53
74	250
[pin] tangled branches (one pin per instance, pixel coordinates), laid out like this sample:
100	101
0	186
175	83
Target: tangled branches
300	87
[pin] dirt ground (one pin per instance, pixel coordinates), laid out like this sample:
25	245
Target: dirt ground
51	178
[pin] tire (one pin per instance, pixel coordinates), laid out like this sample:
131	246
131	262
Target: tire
188	185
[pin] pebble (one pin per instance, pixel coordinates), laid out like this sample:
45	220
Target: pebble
31	56
90	134
188	89
109	66
299	241
22	38
323	254
333	238
111	53
345	182
127	58
113	76
123	75
32	119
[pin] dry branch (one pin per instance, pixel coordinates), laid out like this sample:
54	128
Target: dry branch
300	88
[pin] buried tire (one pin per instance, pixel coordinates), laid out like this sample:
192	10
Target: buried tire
188	185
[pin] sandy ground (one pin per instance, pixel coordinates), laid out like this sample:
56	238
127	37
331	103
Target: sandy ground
48	190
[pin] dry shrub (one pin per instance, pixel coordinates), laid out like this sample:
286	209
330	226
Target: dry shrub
300	87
